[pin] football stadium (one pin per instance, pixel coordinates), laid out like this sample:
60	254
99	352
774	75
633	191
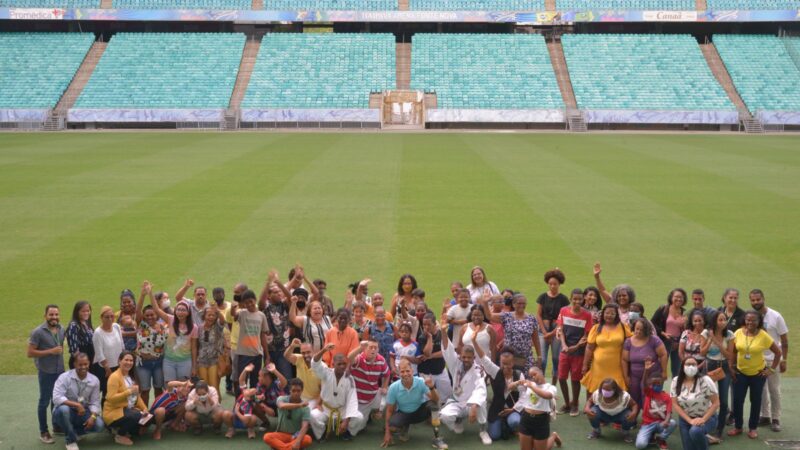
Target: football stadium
399	223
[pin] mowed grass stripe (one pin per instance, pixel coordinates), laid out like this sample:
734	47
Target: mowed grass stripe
639	240
458	212
335	217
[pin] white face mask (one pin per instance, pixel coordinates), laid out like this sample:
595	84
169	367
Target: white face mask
202	398
690	371
165	303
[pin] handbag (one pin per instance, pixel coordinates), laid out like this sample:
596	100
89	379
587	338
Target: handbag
717	374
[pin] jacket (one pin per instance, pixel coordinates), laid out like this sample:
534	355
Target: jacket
117	398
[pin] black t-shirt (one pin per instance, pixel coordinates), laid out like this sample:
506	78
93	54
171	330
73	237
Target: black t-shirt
431	366
551	306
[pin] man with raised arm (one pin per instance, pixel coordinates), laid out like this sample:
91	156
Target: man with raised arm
337	411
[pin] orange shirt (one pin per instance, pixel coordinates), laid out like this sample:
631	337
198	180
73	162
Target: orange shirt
345	341
370	314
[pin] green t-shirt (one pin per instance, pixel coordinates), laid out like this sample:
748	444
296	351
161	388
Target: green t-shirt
290	420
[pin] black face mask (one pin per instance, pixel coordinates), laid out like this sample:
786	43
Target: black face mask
509	300
237	297
301	305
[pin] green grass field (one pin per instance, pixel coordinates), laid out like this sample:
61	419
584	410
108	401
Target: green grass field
88	214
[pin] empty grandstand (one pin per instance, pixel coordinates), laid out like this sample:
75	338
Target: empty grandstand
165	71
476	5
683	5
183	4
348	5
485	71
50	3
36	68
753	4
321	70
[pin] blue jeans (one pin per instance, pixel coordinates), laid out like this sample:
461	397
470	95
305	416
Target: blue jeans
150	374
694	438
47	381
68	420
755	384
675	361
177	370
282	364
503	427
647	431
554	346
601	417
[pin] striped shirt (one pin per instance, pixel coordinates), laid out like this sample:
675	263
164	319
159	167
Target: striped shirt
367	376
169	400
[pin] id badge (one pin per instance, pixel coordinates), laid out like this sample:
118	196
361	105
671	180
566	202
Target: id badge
80	400
747	356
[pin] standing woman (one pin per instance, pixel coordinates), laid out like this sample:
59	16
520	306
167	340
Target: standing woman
549	305
717	353
79	333
125	317
603	357
313	327
695	399
670	322
637	351
405	286
108	344
593	302
693	343
730	307
123	407
622	295
210	345
151	337
382	331
180	352
751	370
521	332
478	333
360	323
480	285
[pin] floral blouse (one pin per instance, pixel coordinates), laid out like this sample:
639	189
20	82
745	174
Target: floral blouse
210	344
150	340
79	339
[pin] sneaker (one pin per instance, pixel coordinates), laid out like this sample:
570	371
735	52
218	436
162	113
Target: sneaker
439	443
574	412
458	427
46	438
346	436
485	438
712	440
616	426
730	420
72	446
627	437
662	444
763	421
594	434
123	440
775	426
564	410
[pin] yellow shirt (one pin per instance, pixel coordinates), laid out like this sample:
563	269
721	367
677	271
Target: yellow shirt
750	351
311	384
234	329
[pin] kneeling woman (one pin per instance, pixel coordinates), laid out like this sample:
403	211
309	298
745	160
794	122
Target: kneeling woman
534	427
695	399
124	408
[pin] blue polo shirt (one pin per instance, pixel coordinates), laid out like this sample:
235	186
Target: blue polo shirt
407	400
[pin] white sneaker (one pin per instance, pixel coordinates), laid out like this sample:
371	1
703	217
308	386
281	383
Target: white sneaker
458	427
72	446
485	438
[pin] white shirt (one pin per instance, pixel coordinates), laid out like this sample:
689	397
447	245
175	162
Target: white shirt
108	345
477	293
776	327
695	401
456	312
193	402
468	385
611	410
339	395
530	400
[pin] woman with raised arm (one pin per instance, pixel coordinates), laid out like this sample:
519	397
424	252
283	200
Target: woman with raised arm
405	287
313	327
622	295
180	352
151	338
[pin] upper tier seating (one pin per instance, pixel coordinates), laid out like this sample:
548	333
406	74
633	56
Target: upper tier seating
762	71
485	71
36	68
680	5
66	4
165	70
753	4
646	72
183	4
321	70
341	5
476	5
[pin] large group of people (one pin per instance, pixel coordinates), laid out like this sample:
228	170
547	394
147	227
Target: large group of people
300	370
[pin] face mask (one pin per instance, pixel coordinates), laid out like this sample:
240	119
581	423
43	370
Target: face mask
165	303
607	393
202	398
657	388
632	316
690	371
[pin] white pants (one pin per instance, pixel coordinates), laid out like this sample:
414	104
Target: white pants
453	411
366	409
312	402
771	398
443	386
319	420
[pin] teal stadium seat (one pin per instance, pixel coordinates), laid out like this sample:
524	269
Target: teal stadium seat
36	68
485	71
337	5
66	4
642	72
476	5
165	70
721	5
182	4
672	5
762	70
321	70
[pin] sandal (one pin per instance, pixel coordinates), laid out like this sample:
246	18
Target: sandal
557	439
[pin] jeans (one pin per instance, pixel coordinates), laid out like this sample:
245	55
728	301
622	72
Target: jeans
694	438
601	417
674	360
150	374
282	364
646	432
503	427
177	370
724	387
755	384
47	381
68	420
554	346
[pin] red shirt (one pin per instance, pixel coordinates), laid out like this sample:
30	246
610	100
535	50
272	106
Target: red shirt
367	376
657	406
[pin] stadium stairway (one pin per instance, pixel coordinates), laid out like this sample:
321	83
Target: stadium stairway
750	123
574	116
403	61
57	118
246	65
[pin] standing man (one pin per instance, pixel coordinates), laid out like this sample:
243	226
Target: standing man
46	346
76	397
277	312
698	302
337	411
251	347
779	332
371	375
232	380
196	305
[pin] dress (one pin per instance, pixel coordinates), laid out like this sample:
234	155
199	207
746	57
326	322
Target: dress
637	357
519	335
607	358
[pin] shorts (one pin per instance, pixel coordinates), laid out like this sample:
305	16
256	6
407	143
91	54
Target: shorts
537	427
150	374
570	365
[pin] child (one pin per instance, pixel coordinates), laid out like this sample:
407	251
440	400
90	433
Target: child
169	407
271	384
404	348
242	417
574	324
656	412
